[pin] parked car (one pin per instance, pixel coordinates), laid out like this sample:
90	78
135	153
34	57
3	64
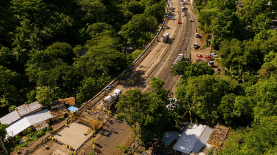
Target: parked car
195	45
213	55
199	56
196	35
190	20
211	63
208	58
184	14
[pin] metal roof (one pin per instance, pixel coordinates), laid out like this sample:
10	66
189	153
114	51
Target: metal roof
27	121
70	101
189	138
23	110
202	140
41	125
10	118
34	106
169	136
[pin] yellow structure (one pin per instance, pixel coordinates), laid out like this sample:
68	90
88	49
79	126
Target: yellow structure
93	124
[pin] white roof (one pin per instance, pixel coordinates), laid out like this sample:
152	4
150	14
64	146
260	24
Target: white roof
27	121
189	138
10	118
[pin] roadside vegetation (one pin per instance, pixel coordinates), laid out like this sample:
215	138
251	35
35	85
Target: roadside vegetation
51	50
242	98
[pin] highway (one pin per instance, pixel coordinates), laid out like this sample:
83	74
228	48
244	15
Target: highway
156	63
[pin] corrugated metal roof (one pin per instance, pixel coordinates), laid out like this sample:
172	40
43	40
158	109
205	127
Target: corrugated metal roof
169	136
202	140
10	118
27	121
41	125
23	110
17	127
70	101
34	106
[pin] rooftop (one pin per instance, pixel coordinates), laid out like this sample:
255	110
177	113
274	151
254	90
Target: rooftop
10	118
27	121
70	100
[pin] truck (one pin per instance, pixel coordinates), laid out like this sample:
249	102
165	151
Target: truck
179	58
165	37
108	101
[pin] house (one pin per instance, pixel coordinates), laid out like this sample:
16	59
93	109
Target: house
58	108
38	120
21	111
193	138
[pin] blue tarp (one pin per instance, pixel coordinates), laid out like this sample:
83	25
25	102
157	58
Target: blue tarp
73	109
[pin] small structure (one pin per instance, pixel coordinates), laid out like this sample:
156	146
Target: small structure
73	109
31	120
21	111
193	138
69	101
218	136
169	136
58	108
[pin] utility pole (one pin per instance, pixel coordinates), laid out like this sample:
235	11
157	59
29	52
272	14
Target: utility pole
2	145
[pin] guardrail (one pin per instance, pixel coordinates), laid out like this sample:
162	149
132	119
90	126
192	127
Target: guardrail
118	79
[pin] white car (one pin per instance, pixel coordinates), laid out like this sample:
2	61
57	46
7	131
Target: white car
190	20
211	63
196	35
184	14
213	55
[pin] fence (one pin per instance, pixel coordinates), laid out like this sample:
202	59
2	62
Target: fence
117	80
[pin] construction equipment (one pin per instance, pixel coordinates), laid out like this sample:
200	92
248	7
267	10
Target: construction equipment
110	100
165	37
93	124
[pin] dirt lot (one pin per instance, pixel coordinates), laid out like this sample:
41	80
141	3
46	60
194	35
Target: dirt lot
52	148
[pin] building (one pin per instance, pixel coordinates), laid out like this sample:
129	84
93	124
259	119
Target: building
193	138
38	120
20	112
58	108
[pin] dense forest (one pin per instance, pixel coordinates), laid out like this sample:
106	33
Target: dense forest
243	97
58	49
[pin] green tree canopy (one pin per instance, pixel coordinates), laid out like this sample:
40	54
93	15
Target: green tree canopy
45	96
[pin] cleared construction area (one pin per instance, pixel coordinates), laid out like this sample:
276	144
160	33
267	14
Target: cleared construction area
73	135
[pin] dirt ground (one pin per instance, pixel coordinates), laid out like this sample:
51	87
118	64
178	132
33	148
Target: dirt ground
53	149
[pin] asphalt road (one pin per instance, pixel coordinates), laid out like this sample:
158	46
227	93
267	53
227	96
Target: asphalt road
179	45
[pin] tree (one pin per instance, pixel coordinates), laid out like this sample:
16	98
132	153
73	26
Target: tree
146	109
191	69
63	51
3	132
45	96
88	89
8	90
203	95
260	139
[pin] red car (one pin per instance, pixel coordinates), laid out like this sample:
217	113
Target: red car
208	58
179	22
199	56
